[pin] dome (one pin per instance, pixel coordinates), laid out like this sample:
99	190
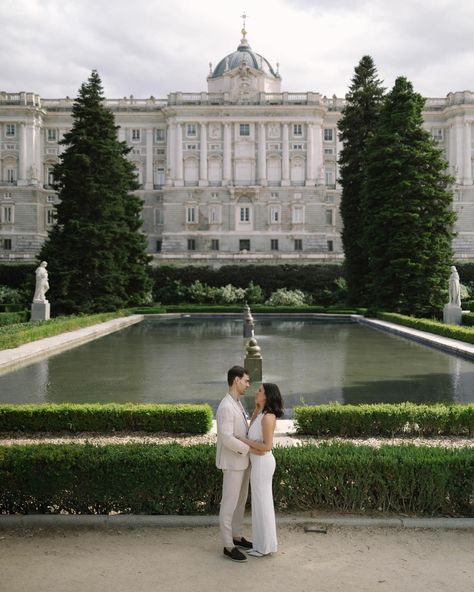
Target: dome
244	54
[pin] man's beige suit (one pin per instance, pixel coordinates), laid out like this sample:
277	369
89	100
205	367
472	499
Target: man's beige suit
232	457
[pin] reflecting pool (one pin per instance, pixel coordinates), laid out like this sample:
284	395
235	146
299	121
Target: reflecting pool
186	360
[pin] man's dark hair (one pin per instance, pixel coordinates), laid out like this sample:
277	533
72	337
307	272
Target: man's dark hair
274	401
234	372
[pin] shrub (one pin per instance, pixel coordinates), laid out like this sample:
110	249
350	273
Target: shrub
385	420
174	479
191	419
284	297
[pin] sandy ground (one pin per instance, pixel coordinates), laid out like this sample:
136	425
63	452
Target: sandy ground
182	559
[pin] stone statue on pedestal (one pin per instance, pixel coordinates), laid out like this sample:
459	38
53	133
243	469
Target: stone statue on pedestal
454	287
42	283
40	309
452	312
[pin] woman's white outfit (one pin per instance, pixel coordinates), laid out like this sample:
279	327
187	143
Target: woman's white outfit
264	537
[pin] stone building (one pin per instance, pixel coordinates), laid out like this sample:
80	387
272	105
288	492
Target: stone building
242	172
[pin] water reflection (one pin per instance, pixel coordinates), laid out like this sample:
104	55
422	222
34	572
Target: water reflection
186	360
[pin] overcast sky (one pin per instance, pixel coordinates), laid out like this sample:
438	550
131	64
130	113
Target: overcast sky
154	47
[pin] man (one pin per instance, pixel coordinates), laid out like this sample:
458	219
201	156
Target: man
232	456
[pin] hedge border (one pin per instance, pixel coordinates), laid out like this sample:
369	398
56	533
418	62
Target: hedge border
385	419
174	479
100	418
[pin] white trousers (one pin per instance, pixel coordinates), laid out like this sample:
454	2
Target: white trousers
235	489
264	537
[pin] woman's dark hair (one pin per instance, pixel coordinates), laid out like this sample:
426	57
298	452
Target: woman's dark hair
274	401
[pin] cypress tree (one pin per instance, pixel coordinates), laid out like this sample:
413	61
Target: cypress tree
407	209
96	253
363	103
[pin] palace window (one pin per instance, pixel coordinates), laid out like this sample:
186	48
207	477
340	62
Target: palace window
7	215
329	178
10	130
297	129
160	135
214	244
135	135
328	151
49	216
11	175
329	217
274	214
298	244
7	244
437	134
245	129
191	130
191	244
297	146
52	135
330	245
328	135
244	244
191	215
159	244
245	214
297	215
214	214
51	198
274	244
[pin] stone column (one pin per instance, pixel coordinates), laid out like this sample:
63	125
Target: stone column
310	177
170	153
149	160
179	180
262	155
467	154
318	154
203	181
458	126
227	173
285	157
22	155
37	152
339	147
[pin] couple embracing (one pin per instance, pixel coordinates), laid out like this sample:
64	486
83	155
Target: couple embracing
244	453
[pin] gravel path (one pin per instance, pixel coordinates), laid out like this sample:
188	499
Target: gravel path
8	439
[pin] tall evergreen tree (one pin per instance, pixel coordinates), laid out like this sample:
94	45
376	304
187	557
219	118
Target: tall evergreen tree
407	207
95	252
359	116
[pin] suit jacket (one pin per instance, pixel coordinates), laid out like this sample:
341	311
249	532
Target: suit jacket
231	422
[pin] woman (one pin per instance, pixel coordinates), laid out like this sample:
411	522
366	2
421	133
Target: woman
268	406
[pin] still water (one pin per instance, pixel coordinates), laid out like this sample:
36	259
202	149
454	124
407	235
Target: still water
186	360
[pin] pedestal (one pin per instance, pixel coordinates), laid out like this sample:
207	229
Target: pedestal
452	314
40	311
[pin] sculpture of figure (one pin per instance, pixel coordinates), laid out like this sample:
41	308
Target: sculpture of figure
454	287
42	284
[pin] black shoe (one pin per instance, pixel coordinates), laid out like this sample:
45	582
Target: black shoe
243	543
235	555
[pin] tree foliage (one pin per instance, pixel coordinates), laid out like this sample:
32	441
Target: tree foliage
96	252
406	207
359	117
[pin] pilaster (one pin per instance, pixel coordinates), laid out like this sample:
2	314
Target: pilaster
203	180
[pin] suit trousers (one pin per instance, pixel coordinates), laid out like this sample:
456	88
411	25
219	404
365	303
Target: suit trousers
235	489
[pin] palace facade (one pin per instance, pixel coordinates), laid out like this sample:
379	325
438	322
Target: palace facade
242	172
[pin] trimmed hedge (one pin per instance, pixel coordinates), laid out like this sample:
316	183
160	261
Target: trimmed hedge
174	479
17	334
238	308
315	279
12	318
453	331
385	419
96	417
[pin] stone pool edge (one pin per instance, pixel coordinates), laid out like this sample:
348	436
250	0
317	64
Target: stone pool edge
12	359
446	344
